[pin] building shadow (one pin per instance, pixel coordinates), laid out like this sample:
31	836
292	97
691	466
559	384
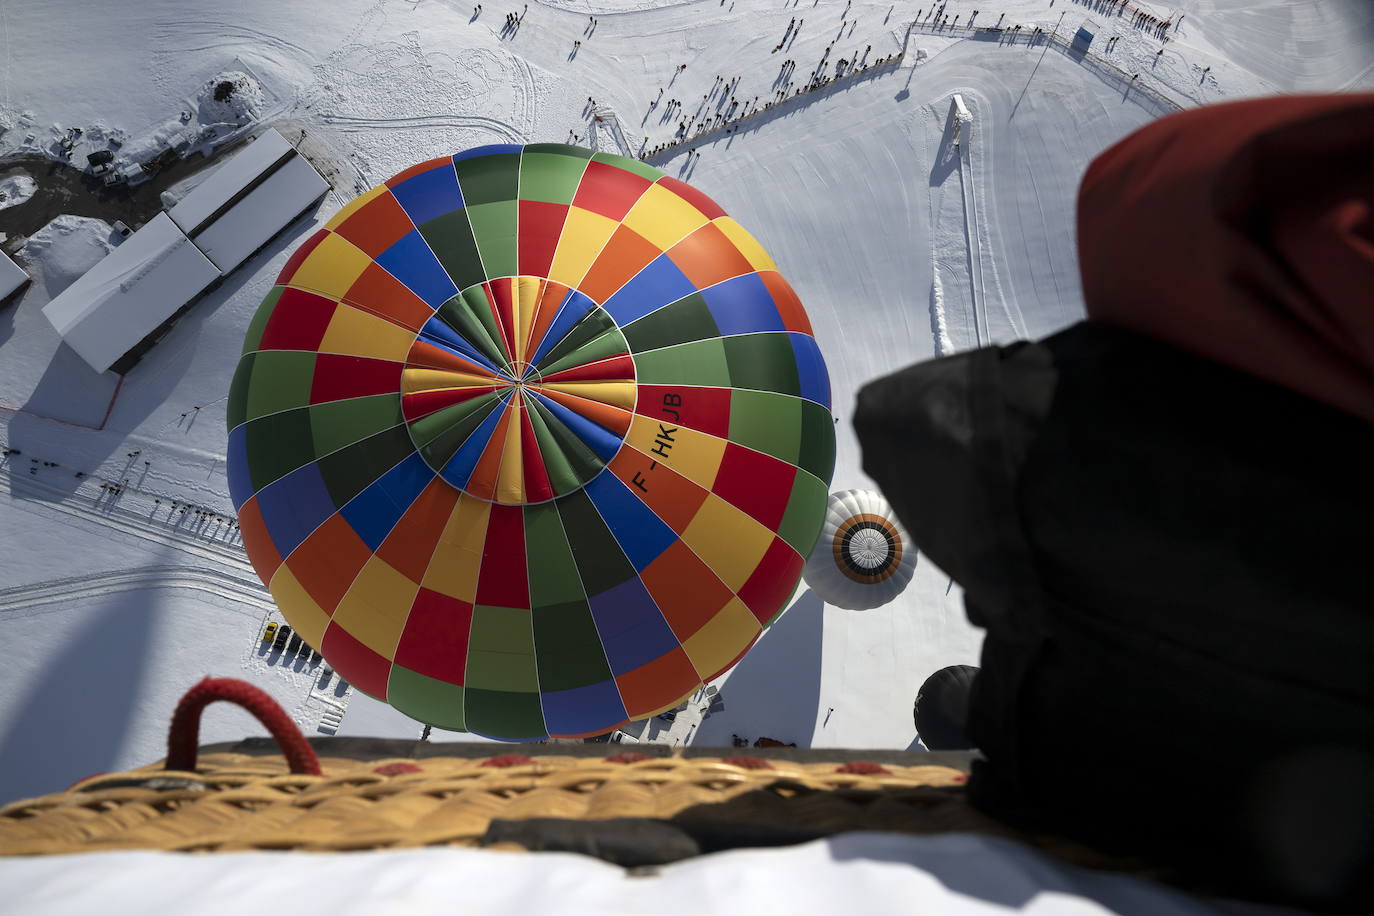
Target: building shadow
74	715
38	426
996	864
775	689
946	158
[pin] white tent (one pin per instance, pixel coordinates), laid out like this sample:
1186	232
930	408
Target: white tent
131	291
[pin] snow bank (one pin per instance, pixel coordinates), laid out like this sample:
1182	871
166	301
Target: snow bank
870	873
66	248
16	189
232	97
939	323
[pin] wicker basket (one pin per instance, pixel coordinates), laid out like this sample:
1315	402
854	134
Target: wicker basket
628	808
236	801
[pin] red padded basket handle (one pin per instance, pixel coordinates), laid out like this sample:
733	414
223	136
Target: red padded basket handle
184	735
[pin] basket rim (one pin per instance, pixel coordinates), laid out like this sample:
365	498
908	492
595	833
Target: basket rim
359	748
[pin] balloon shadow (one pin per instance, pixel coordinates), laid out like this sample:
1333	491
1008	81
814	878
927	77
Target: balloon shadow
75	718
775	689
998	871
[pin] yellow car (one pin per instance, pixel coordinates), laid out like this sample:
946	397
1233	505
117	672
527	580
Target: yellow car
270	632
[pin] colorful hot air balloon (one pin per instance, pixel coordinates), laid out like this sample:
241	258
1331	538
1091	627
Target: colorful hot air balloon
530	441
863	559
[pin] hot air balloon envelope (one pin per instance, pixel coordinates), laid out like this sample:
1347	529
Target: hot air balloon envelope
941	708
863	559
530	441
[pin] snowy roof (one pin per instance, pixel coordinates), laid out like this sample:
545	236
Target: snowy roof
169	261
131	291
226	181
12	276
244	227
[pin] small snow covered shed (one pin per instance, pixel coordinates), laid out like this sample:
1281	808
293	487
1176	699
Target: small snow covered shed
1083	38
248	200
130	292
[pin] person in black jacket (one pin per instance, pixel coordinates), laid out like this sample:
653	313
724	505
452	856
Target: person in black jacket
1162	515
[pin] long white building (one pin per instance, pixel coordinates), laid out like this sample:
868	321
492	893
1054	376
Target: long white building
121	302
246	201
130	291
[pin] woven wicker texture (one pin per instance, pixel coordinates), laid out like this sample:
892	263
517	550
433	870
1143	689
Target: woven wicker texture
238	802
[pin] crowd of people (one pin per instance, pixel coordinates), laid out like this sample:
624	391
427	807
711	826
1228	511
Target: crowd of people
729	108
191	518
513	22
734	109
1140	19
723	108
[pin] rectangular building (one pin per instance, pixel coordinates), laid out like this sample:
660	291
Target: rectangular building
128	297
130	292
248	200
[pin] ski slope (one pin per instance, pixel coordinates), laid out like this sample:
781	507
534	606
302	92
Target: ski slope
900	247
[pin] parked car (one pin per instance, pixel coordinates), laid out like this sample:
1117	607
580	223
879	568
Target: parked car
294	644
270	632
283	634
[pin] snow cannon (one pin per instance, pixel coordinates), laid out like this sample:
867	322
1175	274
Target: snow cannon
530	441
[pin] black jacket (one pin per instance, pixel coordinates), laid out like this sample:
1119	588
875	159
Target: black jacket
1174	562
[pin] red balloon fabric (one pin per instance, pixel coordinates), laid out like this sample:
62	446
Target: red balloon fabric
1244	233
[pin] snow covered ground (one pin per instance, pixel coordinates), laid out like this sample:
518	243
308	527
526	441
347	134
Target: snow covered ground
959	875
900	246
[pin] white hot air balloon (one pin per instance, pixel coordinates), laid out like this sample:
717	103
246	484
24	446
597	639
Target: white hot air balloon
862	559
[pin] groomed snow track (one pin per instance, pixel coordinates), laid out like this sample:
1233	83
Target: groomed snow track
42	497
476	122
92	585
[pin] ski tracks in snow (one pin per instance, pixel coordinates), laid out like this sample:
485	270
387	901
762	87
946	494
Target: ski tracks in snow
5	73
612	8
957	249
216	35
342	88
962	240
48	500
977	153
236	589
350	123
973	240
